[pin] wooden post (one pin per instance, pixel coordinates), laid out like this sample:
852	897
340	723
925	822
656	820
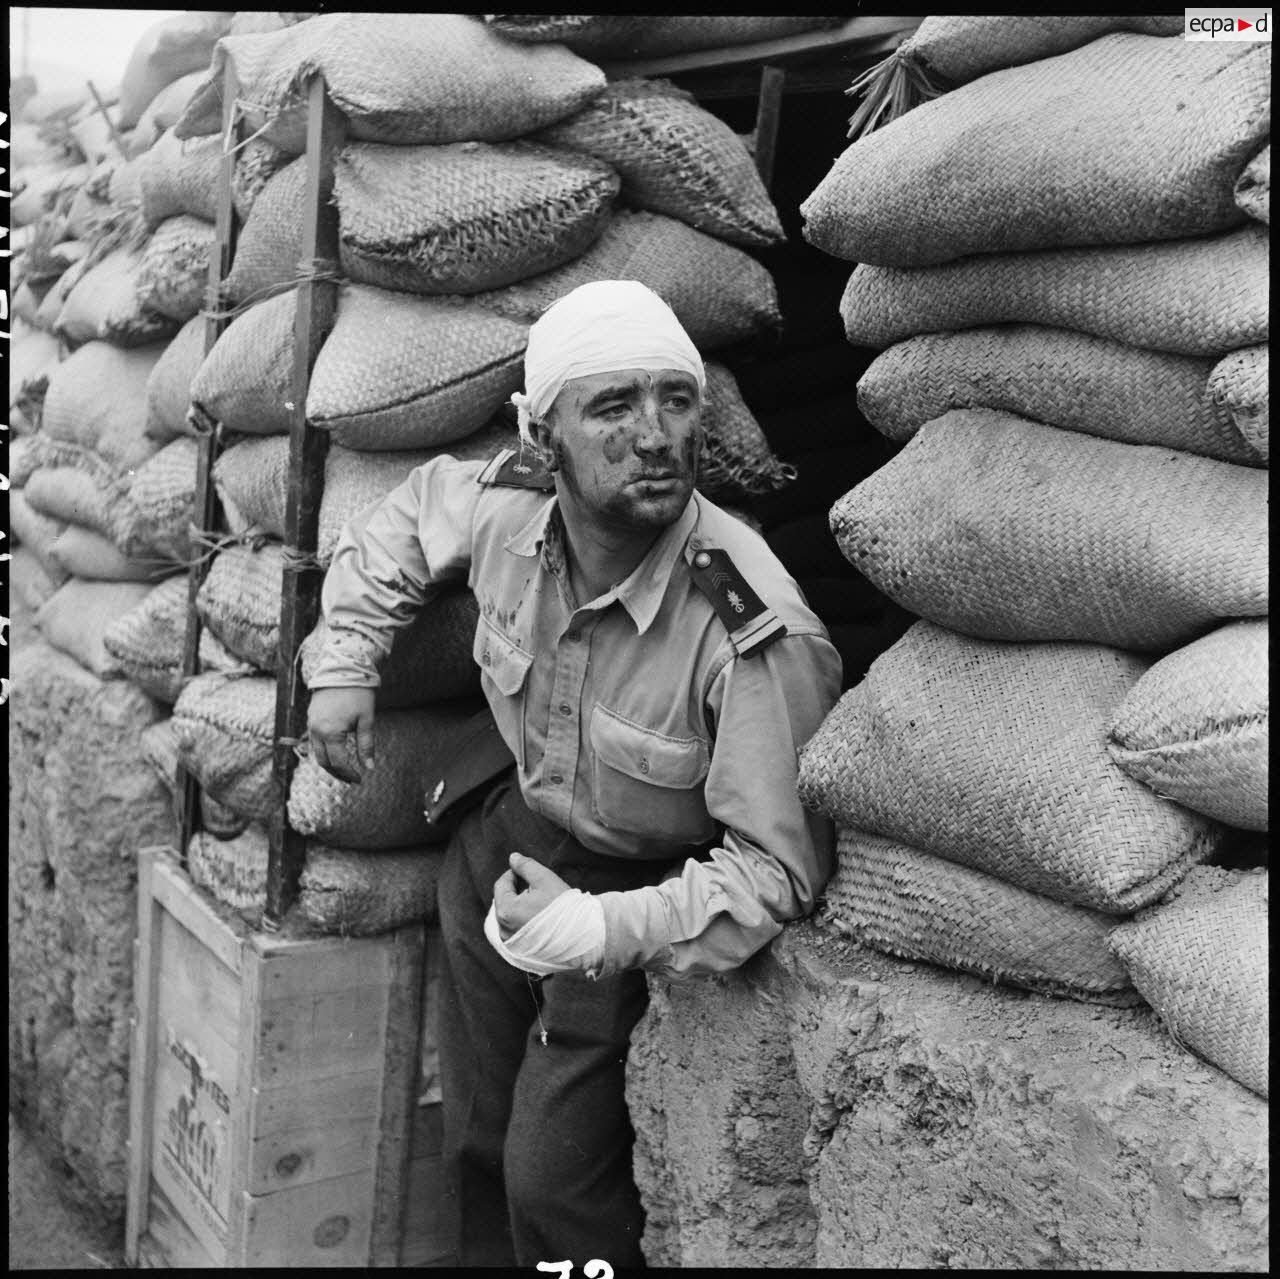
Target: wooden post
768	110
300	596
111	124
205	515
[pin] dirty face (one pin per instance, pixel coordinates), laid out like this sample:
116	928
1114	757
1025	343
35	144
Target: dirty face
625	446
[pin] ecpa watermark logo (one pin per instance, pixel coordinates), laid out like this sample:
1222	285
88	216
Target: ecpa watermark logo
1227	24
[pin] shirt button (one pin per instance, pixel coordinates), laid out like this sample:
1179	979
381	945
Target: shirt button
701	560
565	708
556	779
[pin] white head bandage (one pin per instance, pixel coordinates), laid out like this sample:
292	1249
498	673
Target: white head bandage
597	328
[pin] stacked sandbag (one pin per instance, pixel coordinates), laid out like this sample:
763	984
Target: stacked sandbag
1072	313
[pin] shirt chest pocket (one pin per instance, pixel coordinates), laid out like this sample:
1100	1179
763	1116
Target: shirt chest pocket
504	667
647	782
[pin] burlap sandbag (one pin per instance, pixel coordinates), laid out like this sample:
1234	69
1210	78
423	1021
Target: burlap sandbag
736	458
720	294
994	756
33	356
106	304
169	383
1200	959
1196	727
55	298
159	743
27	579
430	660
24	460
1131	138
239	601
89	554
173	274
148	641
152	516
168	49
1239	382
674	157
256	162
37	533
361	894
246	380
440	77
163	112
75	617
1009	529
232	870
467	216
895	898
269	248
1203	296
71	495
124	188
613	36
385	809
405	372
252	480
225	726
1253	188
1060	377
179	177
96	402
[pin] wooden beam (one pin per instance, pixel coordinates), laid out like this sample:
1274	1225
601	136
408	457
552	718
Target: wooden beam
768	111
317	305
205	516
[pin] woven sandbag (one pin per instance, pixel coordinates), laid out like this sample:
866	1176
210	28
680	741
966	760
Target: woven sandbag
24	460
895	898
169	383
167	49
1196	726
148	641
270	243
1200	959
736	458
720	294
86	553
27	579
37	533
613	36
152	516
441	77
239	601
173	274
105	304
75	617
85	215
1253	187
1203	296
32	358
1009	529
674	157
405	372
361	894
430	659
252	480
180	177
1239	382
247	21
96	402
46	317
257	161
385	809
1131	138
225	727
994	756
43	190
466	217
1057	376
71	495
159	744
232	870
124	188
164	110
246	380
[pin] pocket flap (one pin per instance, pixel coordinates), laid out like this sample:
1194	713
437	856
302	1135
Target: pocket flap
501	660
678	762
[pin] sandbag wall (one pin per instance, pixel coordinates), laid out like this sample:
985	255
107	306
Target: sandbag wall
1033	784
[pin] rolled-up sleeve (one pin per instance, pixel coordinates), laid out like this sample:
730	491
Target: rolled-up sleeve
389	561
776	857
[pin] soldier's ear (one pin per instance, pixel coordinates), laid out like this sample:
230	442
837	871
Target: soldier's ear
541	433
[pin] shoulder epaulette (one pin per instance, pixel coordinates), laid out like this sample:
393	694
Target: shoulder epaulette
517	470
751	624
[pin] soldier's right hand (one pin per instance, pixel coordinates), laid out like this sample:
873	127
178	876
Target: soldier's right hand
340	729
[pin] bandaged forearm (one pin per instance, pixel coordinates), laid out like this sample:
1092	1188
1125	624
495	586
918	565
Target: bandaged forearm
564	937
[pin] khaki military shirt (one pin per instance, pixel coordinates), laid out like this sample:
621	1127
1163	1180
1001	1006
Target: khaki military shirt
637	719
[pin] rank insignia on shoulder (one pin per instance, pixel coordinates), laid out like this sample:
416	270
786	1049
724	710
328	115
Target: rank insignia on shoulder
751	624
517	469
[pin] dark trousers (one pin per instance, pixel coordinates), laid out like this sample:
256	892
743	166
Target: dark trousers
537	1139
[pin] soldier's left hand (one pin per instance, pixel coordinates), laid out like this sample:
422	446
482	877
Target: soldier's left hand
514	906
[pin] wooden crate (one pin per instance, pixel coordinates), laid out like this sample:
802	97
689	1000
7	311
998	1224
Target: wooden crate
274	1087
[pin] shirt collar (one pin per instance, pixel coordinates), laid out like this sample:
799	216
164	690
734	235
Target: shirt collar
642	592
